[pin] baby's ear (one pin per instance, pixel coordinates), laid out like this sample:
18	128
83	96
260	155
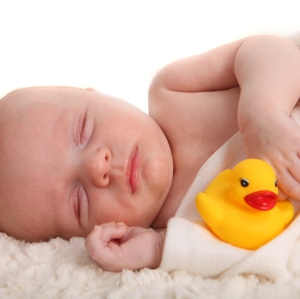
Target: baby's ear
90	89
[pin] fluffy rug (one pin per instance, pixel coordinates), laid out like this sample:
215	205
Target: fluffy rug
63	269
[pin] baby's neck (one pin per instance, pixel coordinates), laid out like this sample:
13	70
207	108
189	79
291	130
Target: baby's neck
180	185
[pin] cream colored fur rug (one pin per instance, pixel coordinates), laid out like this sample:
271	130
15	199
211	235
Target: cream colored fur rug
62	269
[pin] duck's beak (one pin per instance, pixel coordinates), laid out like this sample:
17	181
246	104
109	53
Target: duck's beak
261	200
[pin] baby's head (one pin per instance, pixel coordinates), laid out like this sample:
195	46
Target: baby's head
72	158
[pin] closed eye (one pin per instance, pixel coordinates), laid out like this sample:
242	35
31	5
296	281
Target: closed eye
84	129
80	128
75	202
80	202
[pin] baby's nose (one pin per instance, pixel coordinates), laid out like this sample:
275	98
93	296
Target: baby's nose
99	165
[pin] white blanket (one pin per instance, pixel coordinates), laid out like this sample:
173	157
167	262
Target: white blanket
63	269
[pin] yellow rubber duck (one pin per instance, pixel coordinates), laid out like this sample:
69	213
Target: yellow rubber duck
241	205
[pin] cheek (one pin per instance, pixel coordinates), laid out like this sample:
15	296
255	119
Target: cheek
156	174
134	121
140	212
106	209
28	220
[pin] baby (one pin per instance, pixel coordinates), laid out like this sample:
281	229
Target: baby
79	163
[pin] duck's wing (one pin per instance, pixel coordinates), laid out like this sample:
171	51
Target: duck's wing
210	210
287	209
219	184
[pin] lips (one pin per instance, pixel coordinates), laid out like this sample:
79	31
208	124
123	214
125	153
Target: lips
261	200
133	170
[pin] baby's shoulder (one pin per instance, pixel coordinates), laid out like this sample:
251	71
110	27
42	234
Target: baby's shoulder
199	120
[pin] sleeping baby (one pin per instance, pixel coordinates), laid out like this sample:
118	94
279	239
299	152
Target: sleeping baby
77	162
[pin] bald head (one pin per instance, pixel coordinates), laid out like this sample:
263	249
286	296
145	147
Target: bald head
22	168
28	129
52	141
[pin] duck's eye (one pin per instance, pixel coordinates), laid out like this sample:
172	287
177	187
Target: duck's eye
244	183
276	185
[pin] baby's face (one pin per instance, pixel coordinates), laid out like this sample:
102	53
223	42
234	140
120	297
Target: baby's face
73	158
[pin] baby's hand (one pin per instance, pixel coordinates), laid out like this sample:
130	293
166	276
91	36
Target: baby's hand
115	246
275	138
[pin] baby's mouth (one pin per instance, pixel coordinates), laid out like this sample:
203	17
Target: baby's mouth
261	200
133	171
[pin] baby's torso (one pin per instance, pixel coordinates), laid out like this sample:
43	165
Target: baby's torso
205	122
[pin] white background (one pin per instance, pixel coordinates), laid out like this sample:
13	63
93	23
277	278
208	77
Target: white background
118	46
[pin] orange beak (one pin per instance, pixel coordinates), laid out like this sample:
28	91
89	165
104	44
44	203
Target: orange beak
261	200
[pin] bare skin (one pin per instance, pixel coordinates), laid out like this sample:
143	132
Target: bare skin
68	165
53	169
199	102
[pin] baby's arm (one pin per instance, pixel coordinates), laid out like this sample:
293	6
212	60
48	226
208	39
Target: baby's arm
267	69
270	88
115	247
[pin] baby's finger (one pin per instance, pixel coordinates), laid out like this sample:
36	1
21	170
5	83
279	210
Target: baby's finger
102	246
282	195
107	232
112	224
289	184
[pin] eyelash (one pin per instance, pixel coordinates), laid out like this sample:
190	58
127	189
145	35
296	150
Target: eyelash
82	129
